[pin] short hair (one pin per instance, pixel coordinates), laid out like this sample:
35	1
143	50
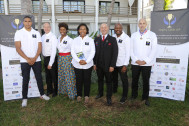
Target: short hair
63	25
82	24
27	17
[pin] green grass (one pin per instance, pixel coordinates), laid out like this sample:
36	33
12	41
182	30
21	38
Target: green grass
61	111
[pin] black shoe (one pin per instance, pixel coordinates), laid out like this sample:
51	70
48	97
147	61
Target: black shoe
54	95
109	101
98	96
133	98
122	100
147	103
48	93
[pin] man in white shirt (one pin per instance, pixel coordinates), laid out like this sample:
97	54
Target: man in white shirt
143	52
28	45
123	42
49	44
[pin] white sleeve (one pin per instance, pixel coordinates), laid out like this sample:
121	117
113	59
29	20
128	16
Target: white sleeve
127	51
53	53
73	53
153	50
92	51
38	37
133	57
17	37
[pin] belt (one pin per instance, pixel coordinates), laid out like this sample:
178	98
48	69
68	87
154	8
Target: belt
64	54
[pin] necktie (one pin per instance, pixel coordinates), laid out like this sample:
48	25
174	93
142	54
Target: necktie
103	38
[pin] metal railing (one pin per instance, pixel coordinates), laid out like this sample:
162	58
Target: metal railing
79	10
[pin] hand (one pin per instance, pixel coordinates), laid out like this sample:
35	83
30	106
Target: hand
94	67
140	62
49	67
82	62
33	60
29	61
124	69
111	69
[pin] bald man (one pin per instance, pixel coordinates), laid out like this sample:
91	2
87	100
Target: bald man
143	52
105	61
49	44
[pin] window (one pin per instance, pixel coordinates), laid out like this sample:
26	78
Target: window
36	4
2	7
75	6
72	33
105	5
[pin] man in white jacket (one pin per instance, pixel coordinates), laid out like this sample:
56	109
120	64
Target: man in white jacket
143	52
123	42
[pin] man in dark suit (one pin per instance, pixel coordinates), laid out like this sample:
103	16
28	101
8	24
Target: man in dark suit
105	60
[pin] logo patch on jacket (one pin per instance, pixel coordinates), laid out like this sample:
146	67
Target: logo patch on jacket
120	41
109	44
64	42
96	43
47	40
147	43
86	43
34	36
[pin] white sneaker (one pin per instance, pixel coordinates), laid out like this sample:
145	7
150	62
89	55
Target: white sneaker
45	97
24	102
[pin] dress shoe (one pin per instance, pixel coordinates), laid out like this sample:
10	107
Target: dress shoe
98	96
147	103
48	93
122	100
109	101
54	95
86	100
78	98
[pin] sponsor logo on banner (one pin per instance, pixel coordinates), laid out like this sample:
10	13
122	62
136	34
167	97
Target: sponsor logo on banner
167	87
166	73
17	24
14	92
157	90
172	79
18	87
9	88
158	82
183	69
15	84
159	94
18	95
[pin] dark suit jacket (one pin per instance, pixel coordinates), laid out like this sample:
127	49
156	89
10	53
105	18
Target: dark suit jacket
110	51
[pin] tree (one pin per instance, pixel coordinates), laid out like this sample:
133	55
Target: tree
110	13
158	5
26	7
40	15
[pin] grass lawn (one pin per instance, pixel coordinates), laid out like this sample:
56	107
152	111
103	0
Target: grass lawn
61	111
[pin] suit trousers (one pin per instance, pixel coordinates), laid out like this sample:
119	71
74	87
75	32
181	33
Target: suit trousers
146	71
51	75
124	79
25	67
101	73
83	77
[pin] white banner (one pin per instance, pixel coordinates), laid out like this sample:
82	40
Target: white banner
12	76
169	73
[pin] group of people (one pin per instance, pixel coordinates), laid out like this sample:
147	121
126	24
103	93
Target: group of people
70	71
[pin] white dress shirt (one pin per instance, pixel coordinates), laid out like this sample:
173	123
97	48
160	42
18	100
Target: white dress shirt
49	43
64	46
143	47
29	43
123	43
87	47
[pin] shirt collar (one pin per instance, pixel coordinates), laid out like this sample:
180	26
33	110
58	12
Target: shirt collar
84	37
26	30
48	33
104	35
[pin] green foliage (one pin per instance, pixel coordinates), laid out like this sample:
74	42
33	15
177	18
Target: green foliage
167	4
93	34
71	35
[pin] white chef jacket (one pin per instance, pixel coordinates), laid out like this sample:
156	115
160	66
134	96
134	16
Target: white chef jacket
87	47
29	43
123	43
143	49
49	43
64	46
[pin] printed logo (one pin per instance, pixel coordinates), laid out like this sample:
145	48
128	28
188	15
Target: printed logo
15	84
14	92
17	24
158	82
169	20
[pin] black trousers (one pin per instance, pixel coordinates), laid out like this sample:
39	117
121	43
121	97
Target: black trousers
51	76
101	73
83	77
25	67
146	71
124	79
